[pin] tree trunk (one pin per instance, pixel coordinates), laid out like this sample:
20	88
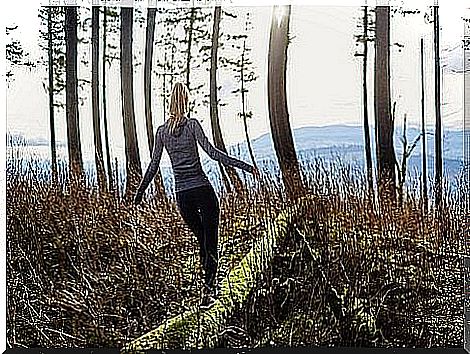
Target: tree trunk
384	121
245	124
216	131
423	134
164	85
437	101
465	191
133	167
95	25
277	102
402	170
149	37
71	97
105	116
51	96
188	54
370	178
116	178
171	66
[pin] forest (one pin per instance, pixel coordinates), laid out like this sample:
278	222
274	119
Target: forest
314	253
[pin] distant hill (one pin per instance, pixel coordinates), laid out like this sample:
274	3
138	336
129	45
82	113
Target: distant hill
21	139
333	141
348	143
342	137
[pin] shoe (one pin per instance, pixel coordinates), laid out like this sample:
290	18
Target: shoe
207	301
208	296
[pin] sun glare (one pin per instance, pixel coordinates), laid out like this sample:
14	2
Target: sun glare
280	14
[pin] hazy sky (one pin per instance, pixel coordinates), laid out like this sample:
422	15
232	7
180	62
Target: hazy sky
324	77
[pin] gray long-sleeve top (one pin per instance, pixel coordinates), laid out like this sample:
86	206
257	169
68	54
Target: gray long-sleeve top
182	149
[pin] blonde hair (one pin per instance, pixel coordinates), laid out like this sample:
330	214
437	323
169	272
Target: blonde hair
178	106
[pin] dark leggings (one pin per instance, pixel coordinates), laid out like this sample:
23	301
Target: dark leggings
199	208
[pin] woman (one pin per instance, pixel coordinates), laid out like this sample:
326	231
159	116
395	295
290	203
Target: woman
195	196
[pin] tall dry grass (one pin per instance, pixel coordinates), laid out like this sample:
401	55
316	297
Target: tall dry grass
354	275
87	269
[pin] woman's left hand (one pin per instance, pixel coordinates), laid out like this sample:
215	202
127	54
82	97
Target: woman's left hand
137	198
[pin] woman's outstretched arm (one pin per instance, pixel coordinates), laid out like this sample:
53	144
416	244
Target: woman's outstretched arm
215	153
152	168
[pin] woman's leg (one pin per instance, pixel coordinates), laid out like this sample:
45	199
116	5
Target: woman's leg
188	207
209	205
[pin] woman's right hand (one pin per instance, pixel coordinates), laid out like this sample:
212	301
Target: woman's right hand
256	173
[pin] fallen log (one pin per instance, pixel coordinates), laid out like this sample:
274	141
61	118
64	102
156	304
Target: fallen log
196	327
